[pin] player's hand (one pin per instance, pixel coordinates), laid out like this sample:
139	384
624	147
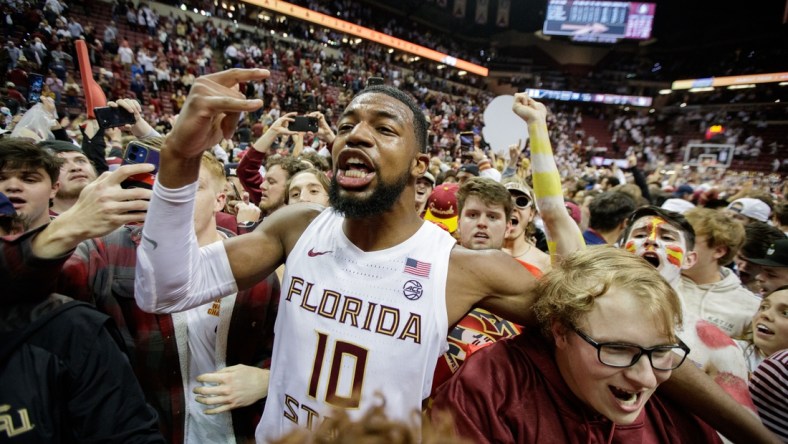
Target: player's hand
212	110
232	387
529	109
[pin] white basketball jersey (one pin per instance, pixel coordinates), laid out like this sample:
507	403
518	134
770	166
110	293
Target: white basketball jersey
354	324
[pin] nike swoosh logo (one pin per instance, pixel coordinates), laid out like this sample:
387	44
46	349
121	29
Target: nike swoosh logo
313	253
153	243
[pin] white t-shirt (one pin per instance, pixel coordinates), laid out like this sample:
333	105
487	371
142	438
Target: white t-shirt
202	323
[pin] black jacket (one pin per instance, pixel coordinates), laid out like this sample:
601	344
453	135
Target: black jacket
66	380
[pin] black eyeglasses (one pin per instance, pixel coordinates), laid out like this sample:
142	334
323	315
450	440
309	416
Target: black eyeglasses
522	202
620	355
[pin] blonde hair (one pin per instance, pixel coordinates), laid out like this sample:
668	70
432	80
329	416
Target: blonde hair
719	228
567	292
216	170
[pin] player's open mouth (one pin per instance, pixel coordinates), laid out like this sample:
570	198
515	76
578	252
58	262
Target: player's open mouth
354	170
652	258
515	221
481	236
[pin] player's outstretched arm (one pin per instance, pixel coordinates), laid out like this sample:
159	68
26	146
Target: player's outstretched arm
489	279
173	273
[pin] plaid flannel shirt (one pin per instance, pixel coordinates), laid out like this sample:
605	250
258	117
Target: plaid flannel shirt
101	272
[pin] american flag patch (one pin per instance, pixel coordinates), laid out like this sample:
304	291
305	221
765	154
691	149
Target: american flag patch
412	266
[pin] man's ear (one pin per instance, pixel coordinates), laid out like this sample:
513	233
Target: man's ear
560	334
419	164
221	200
55	188
719	252
690	259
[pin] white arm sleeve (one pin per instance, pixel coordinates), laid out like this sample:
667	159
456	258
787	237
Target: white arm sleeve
173	273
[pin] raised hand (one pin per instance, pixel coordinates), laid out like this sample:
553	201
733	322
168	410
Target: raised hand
246	211
324	131
529	109
278	128
141	128
102	207
211	111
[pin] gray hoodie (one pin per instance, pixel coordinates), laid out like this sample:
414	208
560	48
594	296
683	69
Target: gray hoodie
726	303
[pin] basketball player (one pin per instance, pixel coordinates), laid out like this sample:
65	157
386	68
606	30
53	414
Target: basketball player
370	288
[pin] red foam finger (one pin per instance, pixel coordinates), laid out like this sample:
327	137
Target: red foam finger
94	95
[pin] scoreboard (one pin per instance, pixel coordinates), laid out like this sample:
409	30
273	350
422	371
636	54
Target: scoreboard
599	21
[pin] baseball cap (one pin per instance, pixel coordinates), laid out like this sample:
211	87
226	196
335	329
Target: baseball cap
230	169
427	175
59	146
683	190
776	255
752	208
470	168
680	206
6	207
442	206
519	187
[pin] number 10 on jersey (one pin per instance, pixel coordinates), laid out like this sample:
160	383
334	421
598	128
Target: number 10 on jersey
346	356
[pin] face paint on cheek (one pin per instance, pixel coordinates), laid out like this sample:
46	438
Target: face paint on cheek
675	255
630	246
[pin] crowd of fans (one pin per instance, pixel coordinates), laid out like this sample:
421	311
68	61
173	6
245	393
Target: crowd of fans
717	236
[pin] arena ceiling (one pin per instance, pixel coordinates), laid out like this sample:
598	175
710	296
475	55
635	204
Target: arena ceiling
677	24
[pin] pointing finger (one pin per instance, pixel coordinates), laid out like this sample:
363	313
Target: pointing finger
235	76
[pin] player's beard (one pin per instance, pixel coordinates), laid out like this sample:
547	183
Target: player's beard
381	200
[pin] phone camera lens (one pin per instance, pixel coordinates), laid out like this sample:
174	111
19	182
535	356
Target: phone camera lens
132	156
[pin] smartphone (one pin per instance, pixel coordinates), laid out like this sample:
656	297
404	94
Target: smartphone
111	117
466	141
372	81
138	152
303	124
36	85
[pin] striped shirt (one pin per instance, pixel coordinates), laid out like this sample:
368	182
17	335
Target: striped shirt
769	390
